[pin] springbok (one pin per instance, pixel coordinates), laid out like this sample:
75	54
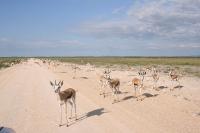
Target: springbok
114	85
75	68
148	69
68	95
174	77
155	77
137	86
104	81
142	73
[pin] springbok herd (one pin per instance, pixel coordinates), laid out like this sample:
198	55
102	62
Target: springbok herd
106	81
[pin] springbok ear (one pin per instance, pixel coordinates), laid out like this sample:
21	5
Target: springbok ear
61	83
51	83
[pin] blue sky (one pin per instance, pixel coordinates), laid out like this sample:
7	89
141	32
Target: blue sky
99	28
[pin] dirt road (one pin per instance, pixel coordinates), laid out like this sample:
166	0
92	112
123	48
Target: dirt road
28	104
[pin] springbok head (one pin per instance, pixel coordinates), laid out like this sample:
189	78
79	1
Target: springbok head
172	72
108	71
57	86
142	72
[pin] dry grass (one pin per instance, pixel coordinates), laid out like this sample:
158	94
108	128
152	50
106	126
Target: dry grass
186	65
8	61
193	61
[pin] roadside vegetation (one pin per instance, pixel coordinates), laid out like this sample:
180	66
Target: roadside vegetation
9	61
187	65
193	61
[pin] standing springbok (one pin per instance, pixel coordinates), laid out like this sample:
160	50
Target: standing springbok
75	68
155	77
114	85
148	69
142	73
68	95
174	77
104	81
137	86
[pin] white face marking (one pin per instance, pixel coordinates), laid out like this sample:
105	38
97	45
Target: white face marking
56	88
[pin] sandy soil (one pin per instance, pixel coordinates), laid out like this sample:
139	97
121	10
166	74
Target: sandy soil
28	103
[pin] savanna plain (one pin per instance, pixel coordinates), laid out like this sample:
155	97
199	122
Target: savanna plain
28	103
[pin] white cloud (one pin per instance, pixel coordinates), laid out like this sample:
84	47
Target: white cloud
168	19
194	46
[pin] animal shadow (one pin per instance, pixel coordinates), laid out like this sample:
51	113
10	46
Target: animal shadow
96	112
146	95
120	92
185	98
6	130
149	95
62	72
162	87
178	87
84	77
127	98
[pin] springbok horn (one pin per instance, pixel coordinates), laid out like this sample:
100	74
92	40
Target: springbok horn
59	82
55	82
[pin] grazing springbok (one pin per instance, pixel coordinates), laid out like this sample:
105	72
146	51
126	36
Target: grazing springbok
137	86
68	95
174	77
114	85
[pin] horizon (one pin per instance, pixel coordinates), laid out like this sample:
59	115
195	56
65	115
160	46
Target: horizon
114	28
100	56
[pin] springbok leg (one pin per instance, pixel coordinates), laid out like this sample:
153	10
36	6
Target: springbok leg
66	113
60	115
